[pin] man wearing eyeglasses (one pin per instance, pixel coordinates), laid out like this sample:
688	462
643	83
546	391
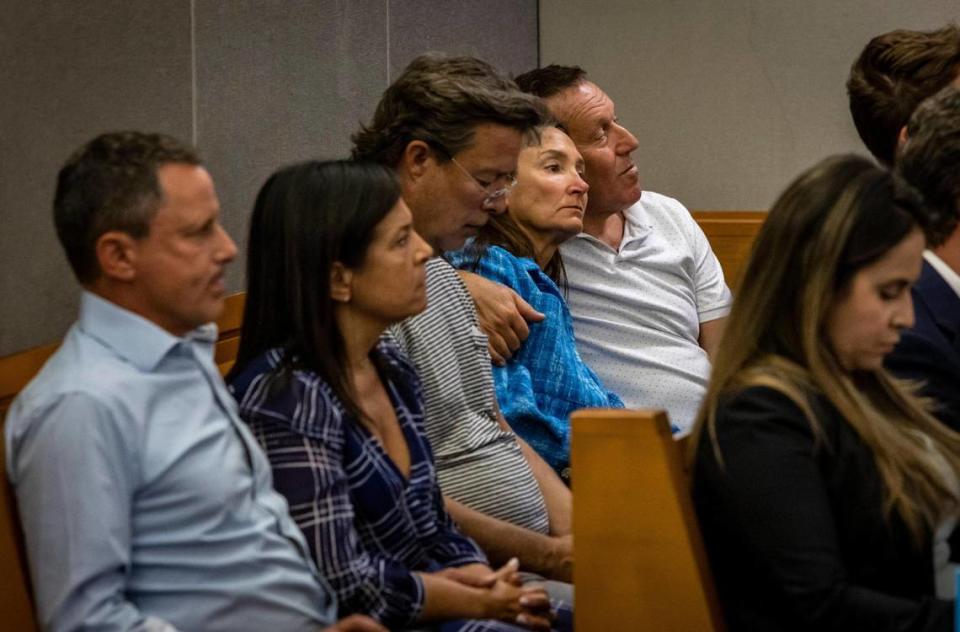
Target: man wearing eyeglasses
452	129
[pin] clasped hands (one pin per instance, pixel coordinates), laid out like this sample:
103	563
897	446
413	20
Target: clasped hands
506	598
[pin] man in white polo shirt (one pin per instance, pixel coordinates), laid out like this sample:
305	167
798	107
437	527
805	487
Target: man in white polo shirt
646	292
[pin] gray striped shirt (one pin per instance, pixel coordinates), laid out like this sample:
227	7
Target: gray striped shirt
478	463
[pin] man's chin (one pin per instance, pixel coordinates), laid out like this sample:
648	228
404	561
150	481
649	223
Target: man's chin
455	242
213	311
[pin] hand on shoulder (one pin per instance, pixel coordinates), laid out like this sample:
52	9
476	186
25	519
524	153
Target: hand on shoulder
502	313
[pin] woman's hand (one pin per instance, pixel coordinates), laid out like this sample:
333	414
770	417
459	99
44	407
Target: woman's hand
507	600
476	575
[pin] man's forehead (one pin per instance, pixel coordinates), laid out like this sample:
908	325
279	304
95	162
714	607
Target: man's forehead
494	145
585	102
188	188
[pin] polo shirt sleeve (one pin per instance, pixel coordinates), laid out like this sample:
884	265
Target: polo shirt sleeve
75	473
713	296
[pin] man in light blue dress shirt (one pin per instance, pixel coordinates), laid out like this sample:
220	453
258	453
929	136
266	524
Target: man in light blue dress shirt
145	502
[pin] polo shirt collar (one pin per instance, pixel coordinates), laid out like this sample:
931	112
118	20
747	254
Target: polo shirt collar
636	227
131	336
636	223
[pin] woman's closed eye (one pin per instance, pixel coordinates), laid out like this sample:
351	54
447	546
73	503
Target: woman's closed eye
402	238
893	291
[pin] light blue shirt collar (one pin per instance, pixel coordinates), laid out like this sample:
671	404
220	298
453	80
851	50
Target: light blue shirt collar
132	337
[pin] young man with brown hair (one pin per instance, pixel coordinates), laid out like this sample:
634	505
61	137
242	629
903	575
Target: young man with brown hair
892	75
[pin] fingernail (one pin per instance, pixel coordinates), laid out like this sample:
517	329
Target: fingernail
524	601
522	619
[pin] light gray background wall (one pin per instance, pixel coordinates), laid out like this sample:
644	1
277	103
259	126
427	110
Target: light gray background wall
255	83
731	99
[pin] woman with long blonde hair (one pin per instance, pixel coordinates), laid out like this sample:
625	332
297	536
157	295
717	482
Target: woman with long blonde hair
824	487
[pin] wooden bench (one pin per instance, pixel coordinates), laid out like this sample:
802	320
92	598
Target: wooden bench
640	562
731	235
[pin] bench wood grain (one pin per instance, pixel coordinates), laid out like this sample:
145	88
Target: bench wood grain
640	561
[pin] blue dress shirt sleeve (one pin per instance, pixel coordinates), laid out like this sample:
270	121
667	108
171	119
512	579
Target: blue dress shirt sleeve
75	475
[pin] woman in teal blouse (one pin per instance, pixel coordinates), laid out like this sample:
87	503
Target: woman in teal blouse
546	379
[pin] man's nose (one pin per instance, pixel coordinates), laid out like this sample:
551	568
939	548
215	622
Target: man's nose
495	206
228	248
626	142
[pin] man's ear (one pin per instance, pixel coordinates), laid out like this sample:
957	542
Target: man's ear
341	278
902	137
415	159
116	253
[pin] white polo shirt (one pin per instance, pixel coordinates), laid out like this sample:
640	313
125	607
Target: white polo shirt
637	312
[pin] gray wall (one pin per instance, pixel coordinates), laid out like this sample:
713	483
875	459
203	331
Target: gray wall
730	100
254	83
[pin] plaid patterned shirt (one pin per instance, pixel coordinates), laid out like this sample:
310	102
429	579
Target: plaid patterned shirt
546	379
368	528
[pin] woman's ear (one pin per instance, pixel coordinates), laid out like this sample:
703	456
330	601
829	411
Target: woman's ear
116	254
340	279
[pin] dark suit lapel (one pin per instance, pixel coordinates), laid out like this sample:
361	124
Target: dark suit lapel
941	301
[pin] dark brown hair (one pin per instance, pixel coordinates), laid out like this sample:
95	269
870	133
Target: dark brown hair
550	80
930	161
893	74
109	184
440	100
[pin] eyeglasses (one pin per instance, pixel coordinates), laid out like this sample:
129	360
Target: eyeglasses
493	195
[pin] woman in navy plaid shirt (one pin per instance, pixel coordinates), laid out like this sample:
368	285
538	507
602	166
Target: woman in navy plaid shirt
333	260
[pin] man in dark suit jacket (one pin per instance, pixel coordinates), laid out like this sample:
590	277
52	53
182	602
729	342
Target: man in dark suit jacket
930	352
930	160
893	74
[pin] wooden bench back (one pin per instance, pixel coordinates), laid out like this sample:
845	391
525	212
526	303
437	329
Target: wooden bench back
640	561
731	235
16	602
